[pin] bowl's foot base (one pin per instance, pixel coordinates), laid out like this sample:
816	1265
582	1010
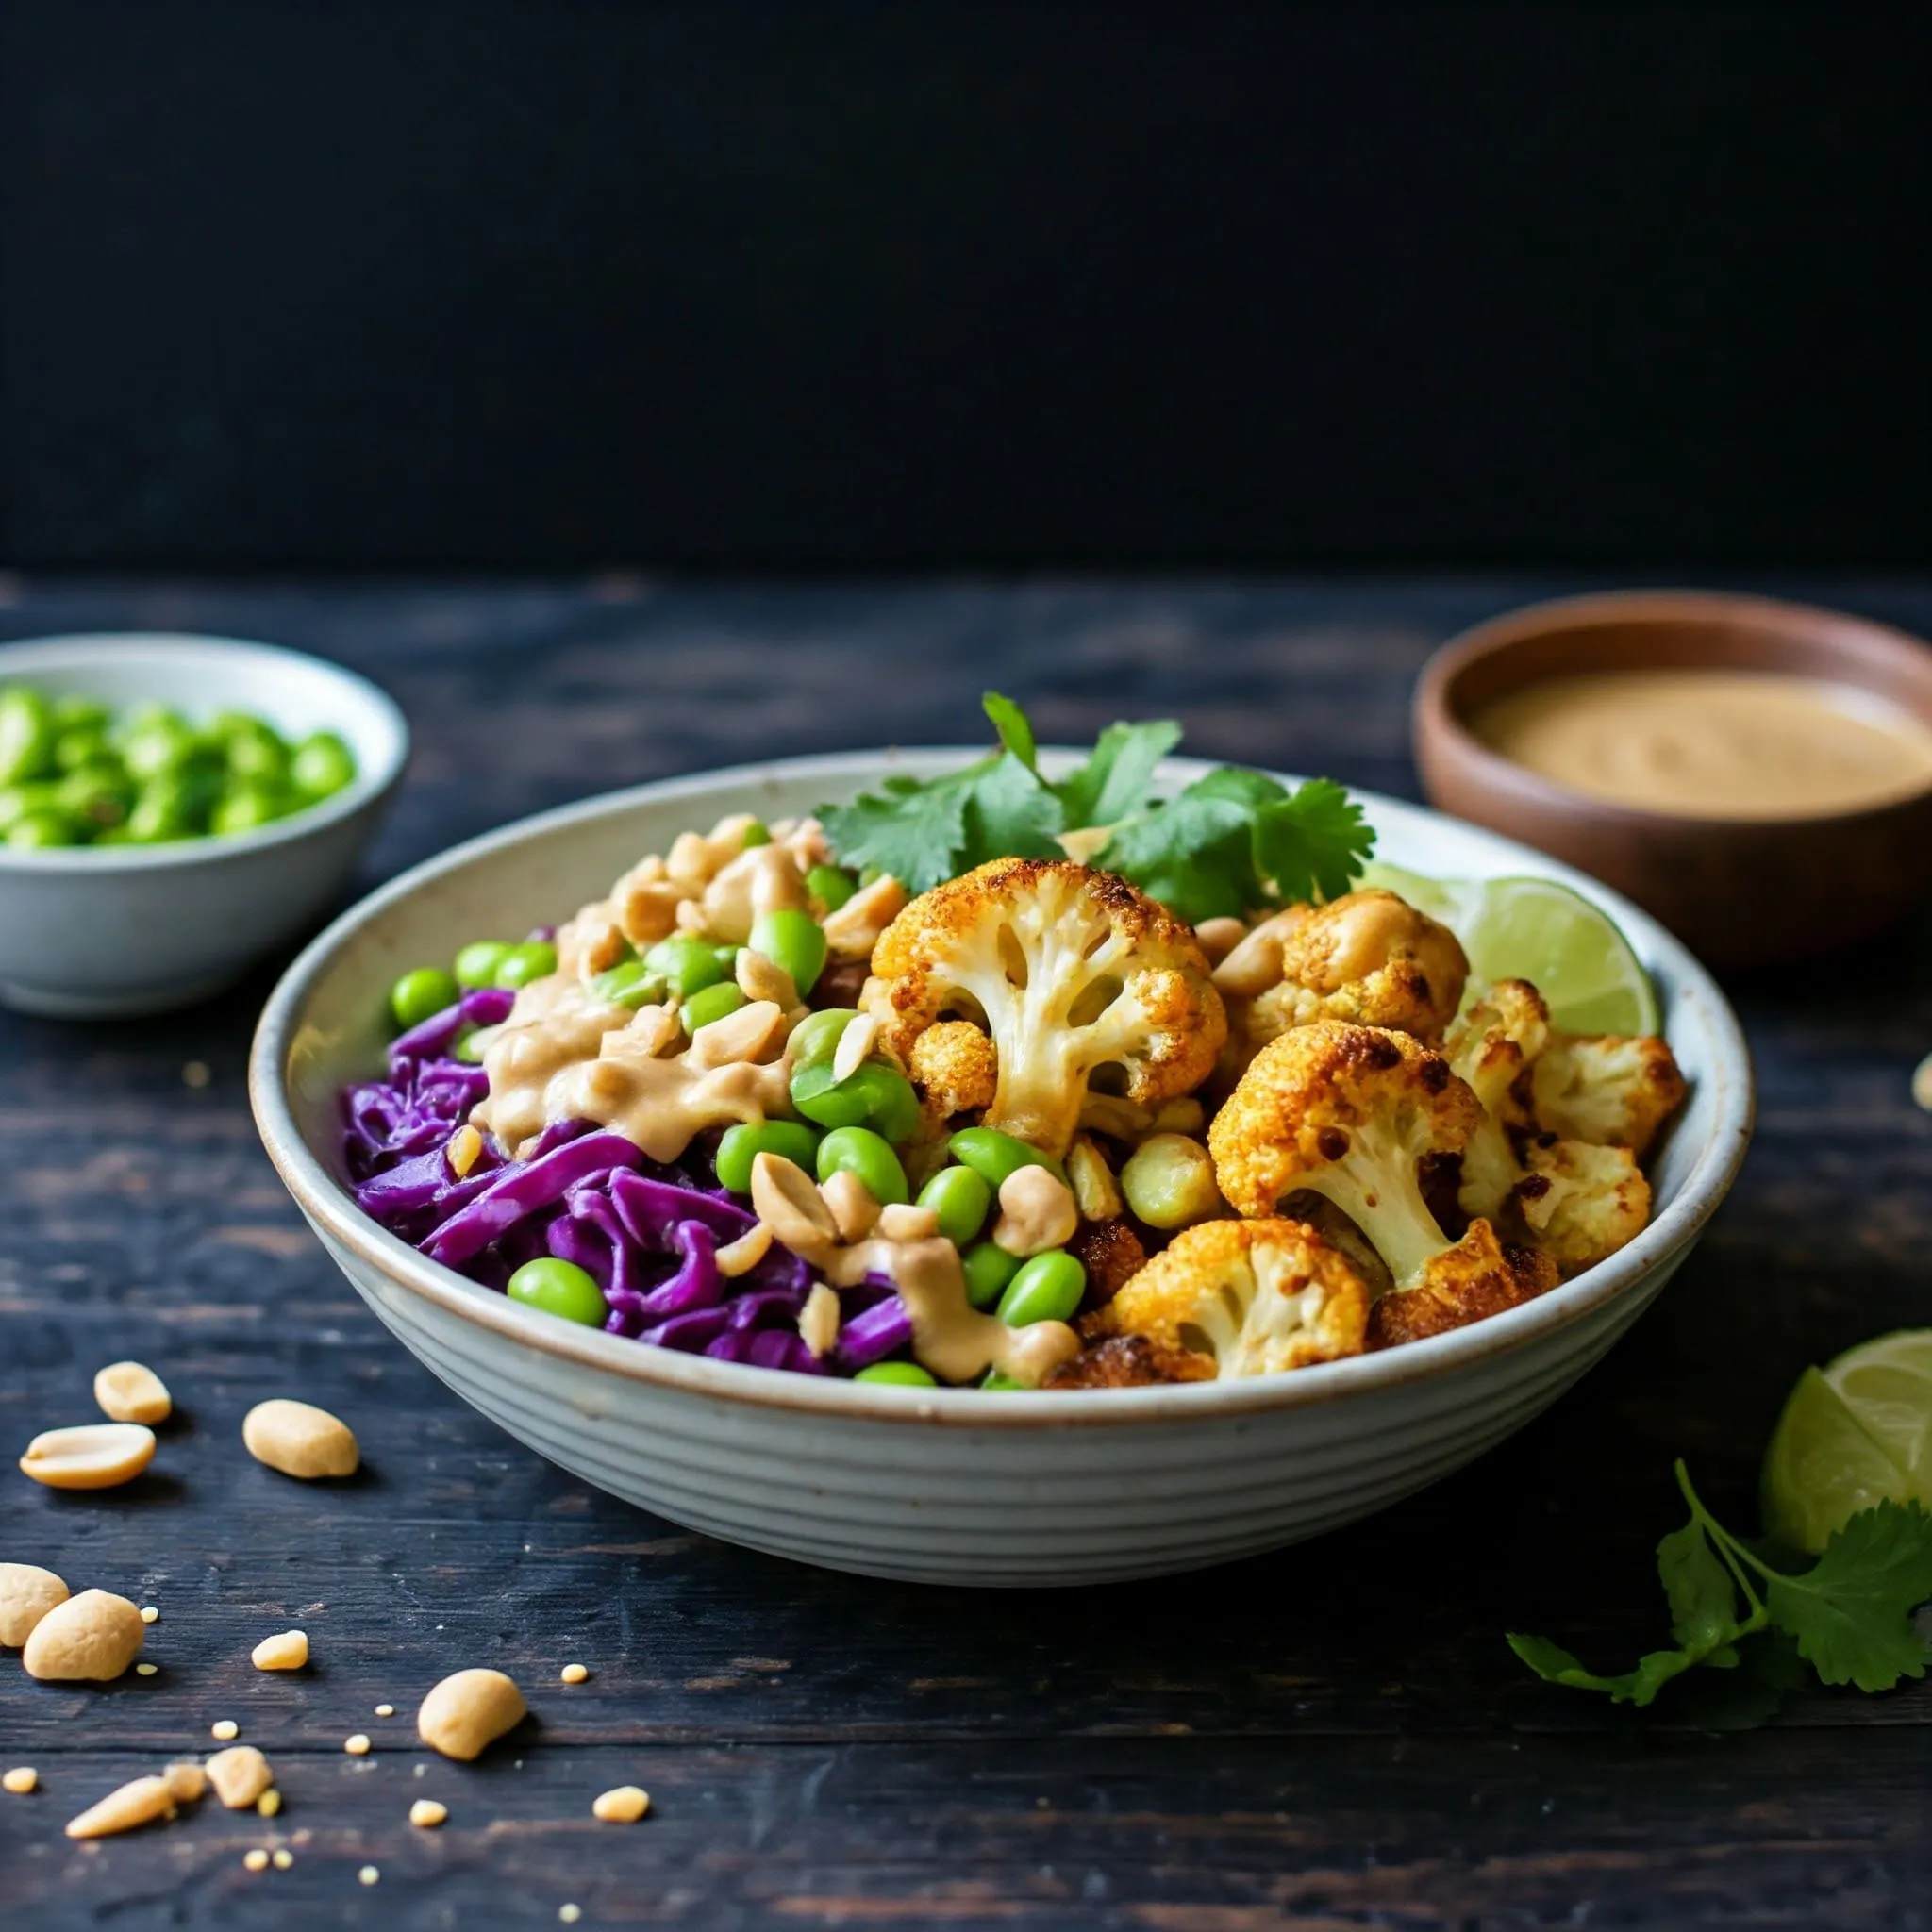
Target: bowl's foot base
66	1003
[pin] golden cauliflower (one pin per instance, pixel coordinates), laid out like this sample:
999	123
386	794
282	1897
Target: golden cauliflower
1349	1112
1073	974
1481	1276
955	1068
1581	1203
1610	1092
1255	1296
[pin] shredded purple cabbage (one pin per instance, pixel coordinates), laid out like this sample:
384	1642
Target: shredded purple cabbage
647	1232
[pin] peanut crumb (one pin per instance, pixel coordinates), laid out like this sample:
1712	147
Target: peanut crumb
623	1805
145	1669
427	1813
1922	1083
574	1674
256	1860
20	1780
283	1860
286	1651
148	1613
224	1728
356	1746
269	1805
195	1073
385	1711
418	1770
570	1914
368	1875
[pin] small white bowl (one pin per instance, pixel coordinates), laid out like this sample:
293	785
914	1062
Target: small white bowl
100	931
949	1486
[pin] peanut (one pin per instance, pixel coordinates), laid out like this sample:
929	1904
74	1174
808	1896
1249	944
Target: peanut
93	1456
469	1710
742	1255
91	1638
287	1652
574	1674
140	1802
818	1321
240	1775
625	1805
1095	1192
300	1440
855	1213
428	1814
22	1779
788	1201
27	1593
903	1221
132	1392
1037	1212
186	1782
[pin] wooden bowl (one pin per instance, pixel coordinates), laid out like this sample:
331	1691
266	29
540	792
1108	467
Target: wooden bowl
1739	892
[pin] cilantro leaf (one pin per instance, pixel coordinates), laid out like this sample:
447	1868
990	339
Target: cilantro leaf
1702	1596
911	830
1851	1611
1114	782
1312	845
1554	1665
1014	728
1011	813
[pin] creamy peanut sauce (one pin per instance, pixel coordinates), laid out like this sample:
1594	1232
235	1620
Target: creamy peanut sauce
1719	744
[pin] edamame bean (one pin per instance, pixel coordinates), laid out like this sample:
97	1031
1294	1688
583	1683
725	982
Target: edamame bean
464	1047
559	1288
685	965
27	733
794	940
998	1380
163	809
629	984
1046	1288
256	752
821	1097
891	1108
830	885
477	964
860	1151
709	1004
321	766
1168	1181
420	996
99	794
76	714
757	833
960	1199
816	1038
743	1144
988	1270
897	1376
161	741
245	810
16	801
993	1155
42	831
83	745
533	959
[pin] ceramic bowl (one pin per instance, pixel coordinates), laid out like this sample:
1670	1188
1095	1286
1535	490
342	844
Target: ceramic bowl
947	1486
1739	892
110	930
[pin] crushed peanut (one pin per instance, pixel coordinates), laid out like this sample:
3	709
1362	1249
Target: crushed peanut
141	1801
426	1814
27	1593
855	1213
465	1145
742	1255
289	1651
854	1047
240	1775
146	1670
149	1614
818	1321
759	979
282	1859
574	1674
256	1860
570	1914
91	1638
132	1392
1096	1192
385	1711
269	1803
90	1456
300	1440
623	1805
787	1200
224	1728
1037	1212
469	1710
905	1220
356	1746
368	1875
186	1782
22	1779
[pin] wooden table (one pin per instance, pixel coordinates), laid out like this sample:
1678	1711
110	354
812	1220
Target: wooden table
1335	1735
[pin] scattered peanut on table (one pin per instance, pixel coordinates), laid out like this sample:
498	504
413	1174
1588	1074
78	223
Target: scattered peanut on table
623	1805
89	1456
139	1802
289	1651
132	1392
240	1775
300	1440
427	1813
22	1779
27	1593
91	1638
468	1712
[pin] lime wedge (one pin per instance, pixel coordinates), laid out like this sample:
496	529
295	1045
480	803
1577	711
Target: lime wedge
1537	930
1887	1385
1825	1464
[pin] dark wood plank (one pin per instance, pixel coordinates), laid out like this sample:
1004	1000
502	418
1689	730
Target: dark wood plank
1334	1733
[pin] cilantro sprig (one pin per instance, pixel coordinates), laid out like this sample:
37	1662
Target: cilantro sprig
1232	841
1850	1615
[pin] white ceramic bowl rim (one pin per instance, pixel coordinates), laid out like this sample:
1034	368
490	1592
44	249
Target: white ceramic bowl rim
323	1197
20	662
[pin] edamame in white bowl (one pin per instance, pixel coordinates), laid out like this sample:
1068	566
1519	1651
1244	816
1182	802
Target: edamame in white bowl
936	1484
110	930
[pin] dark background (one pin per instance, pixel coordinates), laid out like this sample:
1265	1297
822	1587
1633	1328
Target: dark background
835	286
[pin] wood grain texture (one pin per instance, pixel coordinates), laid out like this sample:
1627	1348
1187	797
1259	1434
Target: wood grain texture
1333	1736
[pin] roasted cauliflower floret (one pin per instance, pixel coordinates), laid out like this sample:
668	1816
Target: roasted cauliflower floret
1349	1112
1606	1090
1072	974
1481	1276
1255	1296
1129	1361
955	1068
1492	1046
1581	1203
